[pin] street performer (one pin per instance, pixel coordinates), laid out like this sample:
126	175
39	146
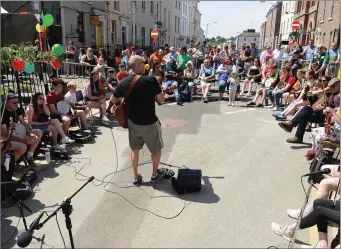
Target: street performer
143	125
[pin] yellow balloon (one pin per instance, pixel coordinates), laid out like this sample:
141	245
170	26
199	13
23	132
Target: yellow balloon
39	28
147	67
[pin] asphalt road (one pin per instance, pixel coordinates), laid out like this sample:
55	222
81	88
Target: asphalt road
250	177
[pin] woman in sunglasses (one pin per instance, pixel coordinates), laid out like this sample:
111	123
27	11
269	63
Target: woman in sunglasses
38	117
89	58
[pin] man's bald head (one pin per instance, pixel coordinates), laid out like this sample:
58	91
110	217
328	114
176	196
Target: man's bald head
136	63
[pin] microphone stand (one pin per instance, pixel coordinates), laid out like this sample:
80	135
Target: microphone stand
22	205
306	199
67	210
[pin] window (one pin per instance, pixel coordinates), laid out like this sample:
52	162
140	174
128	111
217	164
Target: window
144	5
330	38
143	36
244	38
176	26
113	32
324	10
136	33
176	4
135	4
116	5
255	39
164	17
157	11
332	9
152	7
312	4
169	18
80	27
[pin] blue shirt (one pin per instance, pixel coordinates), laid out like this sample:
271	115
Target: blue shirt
224	76
205	72
333	54
309	52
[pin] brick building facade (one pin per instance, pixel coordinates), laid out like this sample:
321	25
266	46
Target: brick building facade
328	23
262	34
306	14
272	25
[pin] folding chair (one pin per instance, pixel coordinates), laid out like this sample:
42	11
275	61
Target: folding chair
80	98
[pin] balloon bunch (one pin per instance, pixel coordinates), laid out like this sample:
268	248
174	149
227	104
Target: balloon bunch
19	64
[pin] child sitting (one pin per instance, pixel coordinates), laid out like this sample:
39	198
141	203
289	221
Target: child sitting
80	111
234	82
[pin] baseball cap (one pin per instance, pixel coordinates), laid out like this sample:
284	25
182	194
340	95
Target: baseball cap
11	95
333	82
172	49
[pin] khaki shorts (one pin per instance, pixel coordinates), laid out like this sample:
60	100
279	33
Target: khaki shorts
151	135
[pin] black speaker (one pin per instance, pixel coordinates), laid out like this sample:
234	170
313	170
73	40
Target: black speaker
188	181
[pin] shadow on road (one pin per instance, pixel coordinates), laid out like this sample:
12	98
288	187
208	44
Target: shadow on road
206	195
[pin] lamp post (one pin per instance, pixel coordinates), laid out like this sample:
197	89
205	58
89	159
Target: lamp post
207	28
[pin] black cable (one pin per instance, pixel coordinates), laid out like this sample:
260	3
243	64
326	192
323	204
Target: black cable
305	192
60	231
77	172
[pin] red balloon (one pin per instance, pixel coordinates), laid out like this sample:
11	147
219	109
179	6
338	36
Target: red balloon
18	64
57	64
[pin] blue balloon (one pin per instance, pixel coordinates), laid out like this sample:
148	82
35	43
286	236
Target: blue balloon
29	67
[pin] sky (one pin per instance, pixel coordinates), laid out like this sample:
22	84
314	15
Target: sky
232	16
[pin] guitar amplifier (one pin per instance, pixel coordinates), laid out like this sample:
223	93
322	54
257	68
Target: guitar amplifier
189	180
59	154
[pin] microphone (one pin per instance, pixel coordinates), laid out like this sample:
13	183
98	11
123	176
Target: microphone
320	172
91	179
25	237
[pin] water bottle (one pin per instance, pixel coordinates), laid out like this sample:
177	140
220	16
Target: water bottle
47	156
7	161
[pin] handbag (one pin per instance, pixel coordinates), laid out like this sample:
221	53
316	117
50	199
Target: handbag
121	111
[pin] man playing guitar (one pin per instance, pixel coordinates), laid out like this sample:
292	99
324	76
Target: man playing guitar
11	114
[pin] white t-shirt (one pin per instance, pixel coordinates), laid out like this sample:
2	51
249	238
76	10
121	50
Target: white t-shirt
71	97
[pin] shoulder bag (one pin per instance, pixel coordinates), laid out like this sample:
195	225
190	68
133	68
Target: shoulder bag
121	111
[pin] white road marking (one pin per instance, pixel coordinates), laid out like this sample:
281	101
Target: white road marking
174	103
244	110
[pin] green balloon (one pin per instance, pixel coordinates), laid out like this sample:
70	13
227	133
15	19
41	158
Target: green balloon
137	41
29	67
57	49
47	20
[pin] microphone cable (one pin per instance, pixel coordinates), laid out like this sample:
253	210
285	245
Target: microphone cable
114	173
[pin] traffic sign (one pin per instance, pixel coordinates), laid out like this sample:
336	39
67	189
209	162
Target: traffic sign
295	25
154	34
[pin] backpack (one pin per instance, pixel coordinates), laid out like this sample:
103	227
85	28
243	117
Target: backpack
186	94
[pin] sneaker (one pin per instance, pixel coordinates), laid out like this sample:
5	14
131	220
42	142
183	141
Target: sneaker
31	162
205	99
137	181
105	119
281	230
295	140
241	94
249	95
67	140
260	105
294	213
275	109
281	118
160	175
275	115
287	126
270	106
232	105
317	245
228	104
251	104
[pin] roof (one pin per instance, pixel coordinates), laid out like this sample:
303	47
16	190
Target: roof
249	34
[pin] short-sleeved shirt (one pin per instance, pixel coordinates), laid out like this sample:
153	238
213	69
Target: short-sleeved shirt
155	58
291	82
183	59
223	76
333	54
121	75
141	101
53	98
10	117
320	59
71	97
112	81
206	72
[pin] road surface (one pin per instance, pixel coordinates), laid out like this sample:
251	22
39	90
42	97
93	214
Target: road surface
250	177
